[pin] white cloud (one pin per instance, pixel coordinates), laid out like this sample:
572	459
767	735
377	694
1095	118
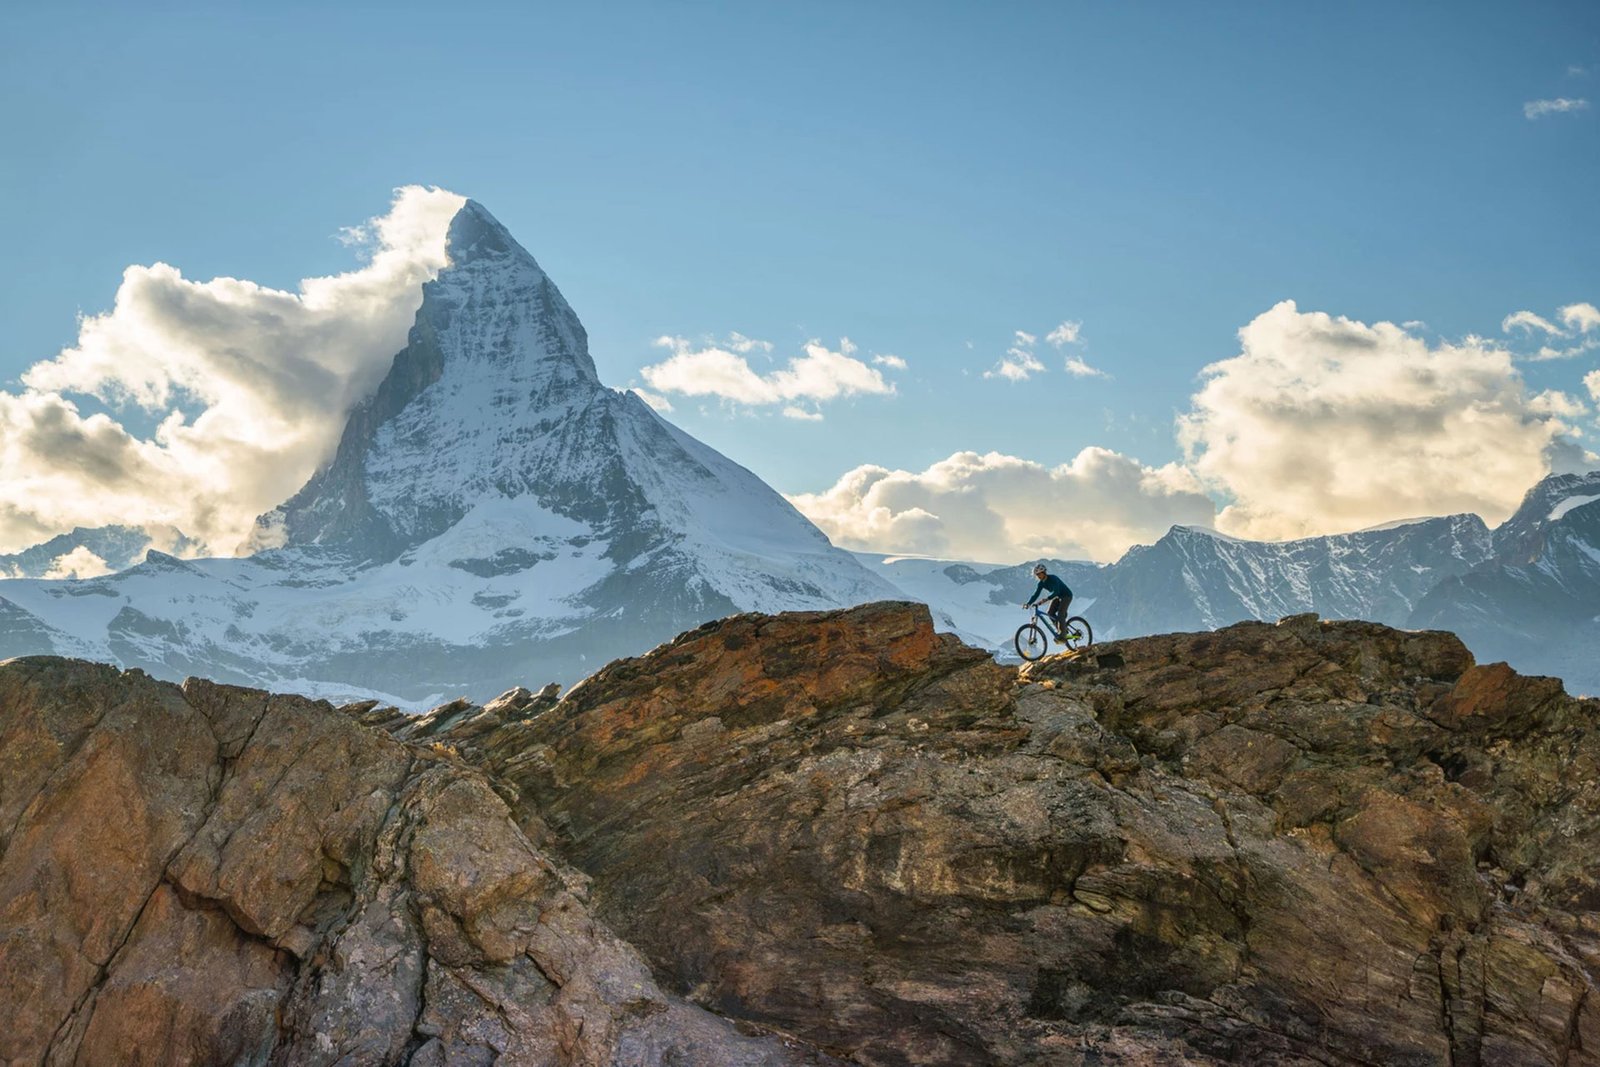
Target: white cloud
251	386
1065	334
793	412
1549	352
1581	317
1324	424
79	563
1535	109
1578	318
1555	402
738	342
660	403
1079	369
821	374
1591	382
1001	508
1018	365
1527	320
892	362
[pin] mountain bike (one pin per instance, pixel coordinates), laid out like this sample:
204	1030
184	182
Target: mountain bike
1033	637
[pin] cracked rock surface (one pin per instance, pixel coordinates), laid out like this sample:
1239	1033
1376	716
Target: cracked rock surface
814	838
212	875
1304	843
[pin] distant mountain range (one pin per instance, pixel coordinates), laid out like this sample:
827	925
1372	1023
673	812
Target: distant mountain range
1527	592
495	516
87	552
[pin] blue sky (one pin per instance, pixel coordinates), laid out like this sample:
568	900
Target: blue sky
925	179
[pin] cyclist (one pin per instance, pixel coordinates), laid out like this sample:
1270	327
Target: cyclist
1060	597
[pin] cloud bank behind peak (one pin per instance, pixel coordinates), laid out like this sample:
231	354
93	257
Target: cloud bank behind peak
248	388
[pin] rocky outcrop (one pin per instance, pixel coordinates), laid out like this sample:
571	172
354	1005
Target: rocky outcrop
780	839
215	875
1303	843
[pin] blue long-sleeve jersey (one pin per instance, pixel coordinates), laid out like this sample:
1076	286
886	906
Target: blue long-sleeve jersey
1053	586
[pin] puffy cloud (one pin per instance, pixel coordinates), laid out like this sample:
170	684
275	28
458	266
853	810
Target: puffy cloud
723	371
793	412
1324	424
1001	508
248	385
1581	317
1065	334
892	362
1535	109
1591	382
79	563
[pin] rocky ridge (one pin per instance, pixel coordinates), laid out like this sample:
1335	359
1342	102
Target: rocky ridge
819	837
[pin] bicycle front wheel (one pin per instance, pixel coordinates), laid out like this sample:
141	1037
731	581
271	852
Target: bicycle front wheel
1077	635
1032	642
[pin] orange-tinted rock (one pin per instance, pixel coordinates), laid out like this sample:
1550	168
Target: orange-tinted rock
213	875
1258	845
1328	843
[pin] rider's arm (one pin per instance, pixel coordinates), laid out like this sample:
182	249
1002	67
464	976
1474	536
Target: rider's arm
1032	599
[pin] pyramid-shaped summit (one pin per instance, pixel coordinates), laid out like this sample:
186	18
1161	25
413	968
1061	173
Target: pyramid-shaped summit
494	342
494	516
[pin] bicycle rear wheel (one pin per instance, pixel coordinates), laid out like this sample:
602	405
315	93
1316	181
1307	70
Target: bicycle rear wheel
1077	635
1031	641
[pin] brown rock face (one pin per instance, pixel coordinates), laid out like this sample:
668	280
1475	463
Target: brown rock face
215	875
783	839
1328	843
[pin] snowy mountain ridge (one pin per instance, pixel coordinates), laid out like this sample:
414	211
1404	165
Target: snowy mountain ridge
494	515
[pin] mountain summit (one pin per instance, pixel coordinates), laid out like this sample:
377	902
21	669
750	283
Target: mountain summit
495	361
493	513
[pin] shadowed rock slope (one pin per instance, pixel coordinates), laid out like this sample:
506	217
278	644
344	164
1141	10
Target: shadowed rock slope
844	835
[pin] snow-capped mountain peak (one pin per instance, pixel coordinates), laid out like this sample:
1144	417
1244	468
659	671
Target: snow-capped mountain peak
493	512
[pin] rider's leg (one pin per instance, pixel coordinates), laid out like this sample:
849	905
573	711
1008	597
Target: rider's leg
1058	612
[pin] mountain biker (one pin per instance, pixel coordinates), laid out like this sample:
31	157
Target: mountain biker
1060	597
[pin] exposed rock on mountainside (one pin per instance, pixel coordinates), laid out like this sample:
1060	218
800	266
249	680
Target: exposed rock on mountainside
1537	601
215	875
1302	843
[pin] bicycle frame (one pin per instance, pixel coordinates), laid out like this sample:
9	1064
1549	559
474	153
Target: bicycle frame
1042	616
